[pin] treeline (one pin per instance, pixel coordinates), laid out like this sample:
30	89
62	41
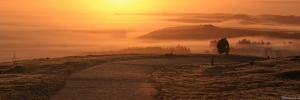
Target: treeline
248	42
243	48
290	42
214	43
144	50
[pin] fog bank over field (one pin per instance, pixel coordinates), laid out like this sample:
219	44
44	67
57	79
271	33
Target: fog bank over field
41	36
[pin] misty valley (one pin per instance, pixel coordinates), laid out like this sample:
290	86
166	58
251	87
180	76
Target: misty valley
118	32
272	44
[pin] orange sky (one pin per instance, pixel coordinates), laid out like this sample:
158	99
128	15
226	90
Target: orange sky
48	28
286	7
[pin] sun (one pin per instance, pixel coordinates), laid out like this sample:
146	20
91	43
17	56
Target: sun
119	1
124	6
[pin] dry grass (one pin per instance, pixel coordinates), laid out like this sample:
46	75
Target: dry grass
268	79
40	79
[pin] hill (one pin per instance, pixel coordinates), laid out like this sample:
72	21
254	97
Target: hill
269	79
42	78
232	76
203	32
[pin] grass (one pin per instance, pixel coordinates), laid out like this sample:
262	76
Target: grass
268	79
40	79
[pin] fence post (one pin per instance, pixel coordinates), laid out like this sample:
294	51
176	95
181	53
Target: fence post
212	60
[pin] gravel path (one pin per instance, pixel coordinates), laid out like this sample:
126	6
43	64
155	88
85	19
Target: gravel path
118	80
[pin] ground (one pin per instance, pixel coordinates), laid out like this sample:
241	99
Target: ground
150	76
270	79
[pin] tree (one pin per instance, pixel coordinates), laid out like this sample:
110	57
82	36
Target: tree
262	42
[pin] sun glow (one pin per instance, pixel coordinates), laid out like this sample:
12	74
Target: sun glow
119	1
129	6
119	5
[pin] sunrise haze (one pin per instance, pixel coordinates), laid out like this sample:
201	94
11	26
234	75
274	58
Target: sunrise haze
282	7
149	49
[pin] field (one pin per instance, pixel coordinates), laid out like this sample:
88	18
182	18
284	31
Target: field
231	76
270	79
42	78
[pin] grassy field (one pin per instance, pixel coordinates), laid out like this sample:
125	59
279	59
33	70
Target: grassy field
231	76
269	79
42	78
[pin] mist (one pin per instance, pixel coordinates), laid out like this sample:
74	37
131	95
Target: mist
40	36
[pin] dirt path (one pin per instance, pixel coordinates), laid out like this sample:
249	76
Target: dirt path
118	80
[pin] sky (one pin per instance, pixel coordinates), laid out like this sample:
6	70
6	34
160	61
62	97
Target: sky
50	28
254	7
